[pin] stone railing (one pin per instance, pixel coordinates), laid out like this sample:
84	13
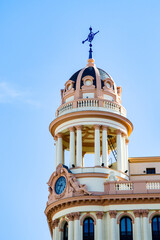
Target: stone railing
124	186
91	104
153	185
135	187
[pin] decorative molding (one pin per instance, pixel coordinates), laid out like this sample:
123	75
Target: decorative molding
87	215
97	126
72	129
127	140
70	216
59	135
73	187
99	214
113	213
145	213
78	127
137	213
77	215
125	214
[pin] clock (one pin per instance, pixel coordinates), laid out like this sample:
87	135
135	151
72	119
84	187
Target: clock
60	185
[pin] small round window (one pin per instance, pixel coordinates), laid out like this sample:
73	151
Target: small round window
88	82
69	86
108	84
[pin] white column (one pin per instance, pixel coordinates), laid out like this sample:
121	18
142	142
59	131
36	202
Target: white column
79	147
77	226
72	147
70	216
99	225
137	230
55	138
59	149
119	151
55	230
145	225
113	225
123	152
127	163
97	145
104	146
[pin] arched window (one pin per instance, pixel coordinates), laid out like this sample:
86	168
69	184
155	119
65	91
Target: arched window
88	229
126	229
156	228
65	232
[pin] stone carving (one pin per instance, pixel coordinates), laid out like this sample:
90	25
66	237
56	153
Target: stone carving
73	187
112	177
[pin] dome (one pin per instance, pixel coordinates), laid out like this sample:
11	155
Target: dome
90	87
90	71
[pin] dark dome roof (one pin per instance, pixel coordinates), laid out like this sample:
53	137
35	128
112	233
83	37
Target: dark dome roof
91	72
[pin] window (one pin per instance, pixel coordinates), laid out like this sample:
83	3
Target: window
150	170
156	228
88	229
126	229
65	233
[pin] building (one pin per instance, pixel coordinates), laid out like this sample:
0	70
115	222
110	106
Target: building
112	200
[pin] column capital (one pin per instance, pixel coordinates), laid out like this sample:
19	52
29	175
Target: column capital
123	134
137	213
97	126
145	213
55	137
70	216
127	140
78	127
99	214
59	135
104	127
77	215
113	213
118	132
55	223
72	129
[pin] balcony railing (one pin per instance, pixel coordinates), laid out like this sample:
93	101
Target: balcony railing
91	104
135	187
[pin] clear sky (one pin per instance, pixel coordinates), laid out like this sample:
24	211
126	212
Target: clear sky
40	48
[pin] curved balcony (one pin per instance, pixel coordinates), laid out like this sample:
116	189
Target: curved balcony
91	105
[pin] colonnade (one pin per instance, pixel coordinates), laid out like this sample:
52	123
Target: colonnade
75	147
140	225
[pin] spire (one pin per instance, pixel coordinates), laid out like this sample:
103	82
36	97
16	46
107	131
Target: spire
90	39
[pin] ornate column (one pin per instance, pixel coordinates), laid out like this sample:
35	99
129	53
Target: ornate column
53	229
127	163
113	229
59	149
97	145
104	146
55	138
119	151
79	147
72	147
145	224
70	216
77	226
137	229
99	225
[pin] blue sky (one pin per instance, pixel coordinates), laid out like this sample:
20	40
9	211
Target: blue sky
40	48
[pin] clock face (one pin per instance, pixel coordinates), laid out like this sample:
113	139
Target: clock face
60	185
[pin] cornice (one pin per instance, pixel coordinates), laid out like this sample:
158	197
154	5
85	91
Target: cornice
93	114
144	159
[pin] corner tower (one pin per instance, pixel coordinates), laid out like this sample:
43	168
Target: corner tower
90	120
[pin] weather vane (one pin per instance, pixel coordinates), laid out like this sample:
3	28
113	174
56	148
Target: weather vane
90	39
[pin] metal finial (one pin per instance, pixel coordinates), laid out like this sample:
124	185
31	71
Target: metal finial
90	39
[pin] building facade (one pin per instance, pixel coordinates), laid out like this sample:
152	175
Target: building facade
115	199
